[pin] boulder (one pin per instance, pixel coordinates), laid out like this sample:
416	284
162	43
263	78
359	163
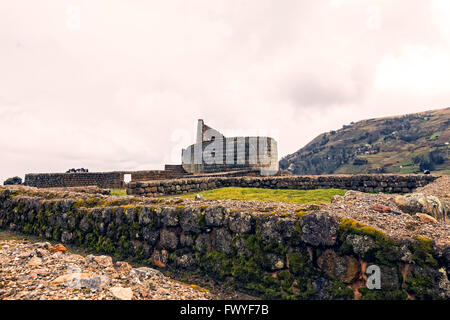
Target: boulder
425	218
319	228
346	269
421	203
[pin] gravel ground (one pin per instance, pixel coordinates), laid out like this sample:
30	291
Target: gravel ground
365	208
40	271
440	188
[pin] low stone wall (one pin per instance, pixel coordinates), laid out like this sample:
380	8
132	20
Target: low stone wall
305	255
362	182
79	179
155	175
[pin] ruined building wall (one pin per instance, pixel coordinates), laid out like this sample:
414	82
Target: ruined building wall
362	182
235	153
79	179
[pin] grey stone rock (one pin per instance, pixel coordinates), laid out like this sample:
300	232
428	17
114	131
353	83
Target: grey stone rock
223	241
145	272
240	222
319	228
66	237
145	216
203	242
85	225
270	230
186	261
190	220
360	244
169	217
186	240
215	216
168	239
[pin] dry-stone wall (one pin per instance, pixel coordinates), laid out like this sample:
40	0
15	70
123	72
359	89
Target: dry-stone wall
79	179
363	182
303	255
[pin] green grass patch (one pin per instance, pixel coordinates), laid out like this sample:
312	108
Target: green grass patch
435	135
118	192
278	195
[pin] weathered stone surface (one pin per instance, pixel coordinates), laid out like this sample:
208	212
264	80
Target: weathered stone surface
425	218
420	203
186	261
319	228
169	217
190	220
168	239
223	240
361	244
203	242
215	216
122	293
270	230
345	268
240	222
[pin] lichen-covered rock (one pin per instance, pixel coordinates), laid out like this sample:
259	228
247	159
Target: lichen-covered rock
240	222
360	244
145	216
270	229
275	262
389	278
421	203
345	268
169	217
190	220
168	239
241	248
426	283
186	239
203	242
186	261
319	228
66	237
215	216
223	241
85	224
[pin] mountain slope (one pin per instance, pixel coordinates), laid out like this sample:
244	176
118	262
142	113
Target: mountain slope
400	144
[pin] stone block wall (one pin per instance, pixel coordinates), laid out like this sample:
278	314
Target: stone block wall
363	182
155	175
234	153
80	179
303	255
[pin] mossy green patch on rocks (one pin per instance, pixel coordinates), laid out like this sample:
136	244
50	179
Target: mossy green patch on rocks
423	253
386	250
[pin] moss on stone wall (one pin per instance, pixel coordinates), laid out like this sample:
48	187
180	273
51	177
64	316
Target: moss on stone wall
269	258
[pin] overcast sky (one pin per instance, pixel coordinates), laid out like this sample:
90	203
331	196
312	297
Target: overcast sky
119	84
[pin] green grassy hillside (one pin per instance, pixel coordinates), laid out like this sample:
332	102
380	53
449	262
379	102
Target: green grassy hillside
402	144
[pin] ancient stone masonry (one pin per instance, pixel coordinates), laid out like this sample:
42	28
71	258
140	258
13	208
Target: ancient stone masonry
213	152
364	183
308	254
99	179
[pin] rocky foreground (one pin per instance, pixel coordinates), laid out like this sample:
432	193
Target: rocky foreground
267	249
40	271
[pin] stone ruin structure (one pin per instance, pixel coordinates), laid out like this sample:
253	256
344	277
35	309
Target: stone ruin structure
213	152
213	155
